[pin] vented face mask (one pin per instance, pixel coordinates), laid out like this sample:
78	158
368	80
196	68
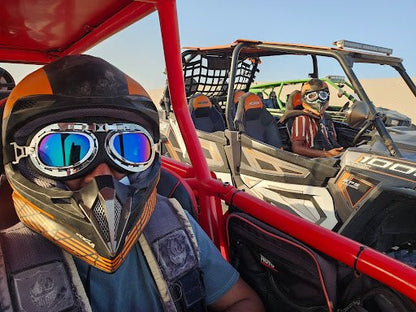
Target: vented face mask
117	213
98	223
61	150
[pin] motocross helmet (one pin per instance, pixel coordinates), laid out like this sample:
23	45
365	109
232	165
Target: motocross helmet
315	96
59	123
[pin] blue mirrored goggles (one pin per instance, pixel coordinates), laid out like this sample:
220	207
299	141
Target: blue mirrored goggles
63	149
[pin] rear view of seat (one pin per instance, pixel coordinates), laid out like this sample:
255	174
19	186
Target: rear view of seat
294	101
236	98
256	121
205	115
6	83
293	106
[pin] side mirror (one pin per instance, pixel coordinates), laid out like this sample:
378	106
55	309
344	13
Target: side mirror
357	114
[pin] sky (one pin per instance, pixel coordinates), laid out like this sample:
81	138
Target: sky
138	49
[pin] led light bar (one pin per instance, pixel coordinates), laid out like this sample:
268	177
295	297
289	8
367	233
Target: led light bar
362	46
336	79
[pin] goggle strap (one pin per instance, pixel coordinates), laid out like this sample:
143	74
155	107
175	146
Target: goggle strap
20	152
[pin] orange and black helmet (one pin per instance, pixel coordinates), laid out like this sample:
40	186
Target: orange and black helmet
315	96
86	98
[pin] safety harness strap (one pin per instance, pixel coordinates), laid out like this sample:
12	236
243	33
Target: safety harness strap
321	141
172	243
36	275
162	286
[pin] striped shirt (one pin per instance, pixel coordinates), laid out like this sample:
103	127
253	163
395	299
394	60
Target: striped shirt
304	129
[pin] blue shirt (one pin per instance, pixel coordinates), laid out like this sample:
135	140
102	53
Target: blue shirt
131	287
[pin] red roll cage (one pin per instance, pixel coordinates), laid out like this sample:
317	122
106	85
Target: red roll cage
38	32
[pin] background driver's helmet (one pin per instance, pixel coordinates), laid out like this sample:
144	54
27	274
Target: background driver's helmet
315	96
60	122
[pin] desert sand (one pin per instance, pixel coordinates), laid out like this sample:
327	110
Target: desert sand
389	93
400	98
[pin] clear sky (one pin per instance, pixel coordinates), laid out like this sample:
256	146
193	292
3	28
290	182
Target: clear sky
137	50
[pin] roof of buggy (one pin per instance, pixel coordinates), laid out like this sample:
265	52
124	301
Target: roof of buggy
40	31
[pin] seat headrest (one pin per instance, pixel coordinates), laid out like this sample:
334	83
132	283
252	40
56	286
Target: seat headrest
294	101
199	101
251	101
237	95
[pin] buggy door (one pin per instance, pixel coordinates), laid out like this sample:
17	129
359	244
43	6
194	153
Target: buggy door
287	180
287	275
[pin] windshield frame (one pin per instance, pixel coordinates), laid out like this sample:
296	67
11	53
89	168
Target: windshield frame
346	59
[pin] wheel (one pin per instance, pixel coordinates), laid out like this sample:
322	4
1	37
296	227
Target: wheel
368	124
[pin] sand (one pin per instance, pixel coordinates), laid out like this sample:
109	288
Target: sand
389	93
400	98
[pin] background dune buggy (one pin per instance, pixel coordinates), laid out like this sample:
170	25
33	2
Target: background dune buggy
366	194
275	96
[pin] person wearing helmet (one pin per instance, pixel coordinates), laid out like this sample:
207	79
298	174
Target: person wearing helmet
312	132
80	147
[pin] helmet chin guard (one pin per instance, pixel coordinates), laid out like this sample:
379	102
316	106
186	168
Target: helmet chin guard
99	223
108	205
316	108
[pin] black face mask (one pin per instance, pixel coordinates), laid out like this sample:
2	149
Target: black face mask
108	204
114	207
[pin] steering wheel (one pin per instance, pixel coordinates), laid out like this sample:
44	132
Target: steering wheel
368	124
345	107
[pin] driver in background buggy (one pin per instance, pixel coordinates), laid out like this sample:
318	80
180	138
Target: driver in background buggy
312	132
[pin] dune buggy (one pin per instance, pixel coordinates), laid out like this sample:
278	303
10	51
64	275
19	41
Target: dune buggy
292	263
367	194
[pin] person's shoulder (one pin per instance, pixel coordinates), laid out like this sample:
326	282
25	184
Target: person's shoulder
164	203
